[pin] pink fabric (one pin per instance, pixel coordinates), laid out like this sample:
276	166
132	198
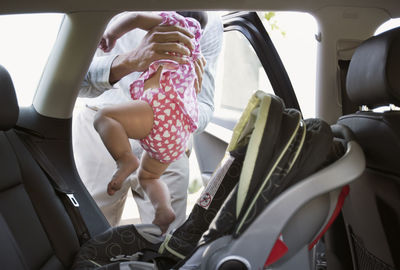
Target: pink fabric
174	103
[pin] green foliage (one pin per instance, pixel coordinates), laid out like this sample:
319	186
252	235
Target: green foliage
194	186
272	22
269	15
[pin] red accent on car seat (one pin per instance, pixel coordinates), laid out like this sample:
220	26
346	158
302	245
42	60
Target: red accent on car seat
280	247
277	252
342	196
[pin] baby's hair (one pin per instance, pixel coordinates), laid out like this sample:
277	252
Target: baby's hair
200	16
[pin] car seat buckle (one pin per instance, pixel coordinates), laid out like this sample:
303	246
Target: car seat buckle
72	199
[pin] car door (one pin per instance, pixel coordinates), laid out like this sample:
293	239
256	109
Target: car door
250	62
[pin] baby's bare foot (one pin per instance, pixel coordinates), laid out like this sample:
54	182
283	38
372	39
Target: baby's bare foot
126	165
163	218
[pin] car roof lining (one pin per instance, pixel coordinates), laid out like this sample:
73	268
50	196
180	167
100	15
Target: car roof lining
27	6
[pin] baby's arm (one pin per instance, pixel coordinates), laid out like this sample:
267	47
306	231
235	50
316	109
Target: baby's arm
126	23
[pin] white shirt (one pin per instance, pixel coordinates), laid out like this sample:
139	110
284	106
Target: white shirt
96	82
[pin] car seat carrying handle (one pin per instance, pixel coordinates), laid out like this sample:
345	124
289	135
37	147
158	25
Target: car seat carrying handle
67	195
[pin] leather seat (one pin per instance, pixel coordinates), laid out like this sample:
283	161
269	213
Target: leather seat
372	211
35	229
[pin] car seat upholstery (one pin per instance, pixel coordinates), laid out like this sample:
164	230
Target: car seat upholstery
372	212
290	195
21	221
35	229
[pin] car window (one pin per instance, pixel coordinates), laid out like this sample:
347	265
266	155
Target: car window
240	72
27	40
390	24
386	26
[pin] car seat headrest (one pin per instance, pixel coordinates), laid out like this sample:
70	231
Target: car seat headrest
373	78
9	109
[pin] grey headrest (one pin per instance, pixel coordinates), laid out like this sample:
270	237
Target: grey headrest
9	109
373	78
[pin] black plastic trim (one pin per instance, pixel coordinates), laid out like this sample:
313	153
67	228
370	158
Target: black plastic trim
250	25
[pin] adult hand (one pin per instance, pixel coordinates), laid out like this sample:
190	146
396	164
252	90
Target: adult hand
161	42
199	67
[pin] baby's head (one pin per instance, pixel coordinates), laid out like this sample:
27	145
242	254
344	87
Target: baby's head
200	16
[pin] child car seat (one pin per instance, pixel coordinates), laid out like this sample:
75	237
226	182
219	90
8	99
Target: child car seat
283	197
271	185
372	212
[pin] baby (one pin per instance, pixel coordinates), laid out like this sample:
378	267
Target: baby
162	114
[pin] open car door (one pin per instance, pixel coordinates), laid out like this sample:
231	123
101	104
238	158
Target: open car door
257	66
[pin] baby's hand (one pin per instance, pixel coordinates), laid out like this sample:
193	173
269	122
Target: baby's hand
107	43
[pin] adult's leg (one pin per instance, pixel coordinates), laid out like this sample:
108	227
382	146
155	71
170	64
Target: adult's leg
115	125
95	166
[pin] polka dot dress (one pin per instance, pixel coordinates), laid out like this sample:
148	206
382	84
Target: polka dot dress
174	103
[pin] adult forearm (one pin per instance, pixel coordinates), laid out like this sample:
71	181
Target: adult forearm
87	90
96	80
120	67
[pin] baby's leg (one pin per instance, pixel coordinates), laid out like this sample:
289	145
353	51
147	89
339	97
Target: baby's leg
149	177
115	125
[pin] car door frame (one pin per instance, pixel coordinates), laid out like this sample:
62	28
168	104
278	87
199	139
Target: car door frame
210	145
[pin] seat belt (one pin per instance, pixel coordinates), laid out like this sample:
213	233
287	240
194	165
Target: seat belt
66	194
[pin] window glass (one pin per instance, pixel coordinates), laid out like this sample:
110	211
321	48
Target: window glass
240	72
27	40
386	26
390	24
